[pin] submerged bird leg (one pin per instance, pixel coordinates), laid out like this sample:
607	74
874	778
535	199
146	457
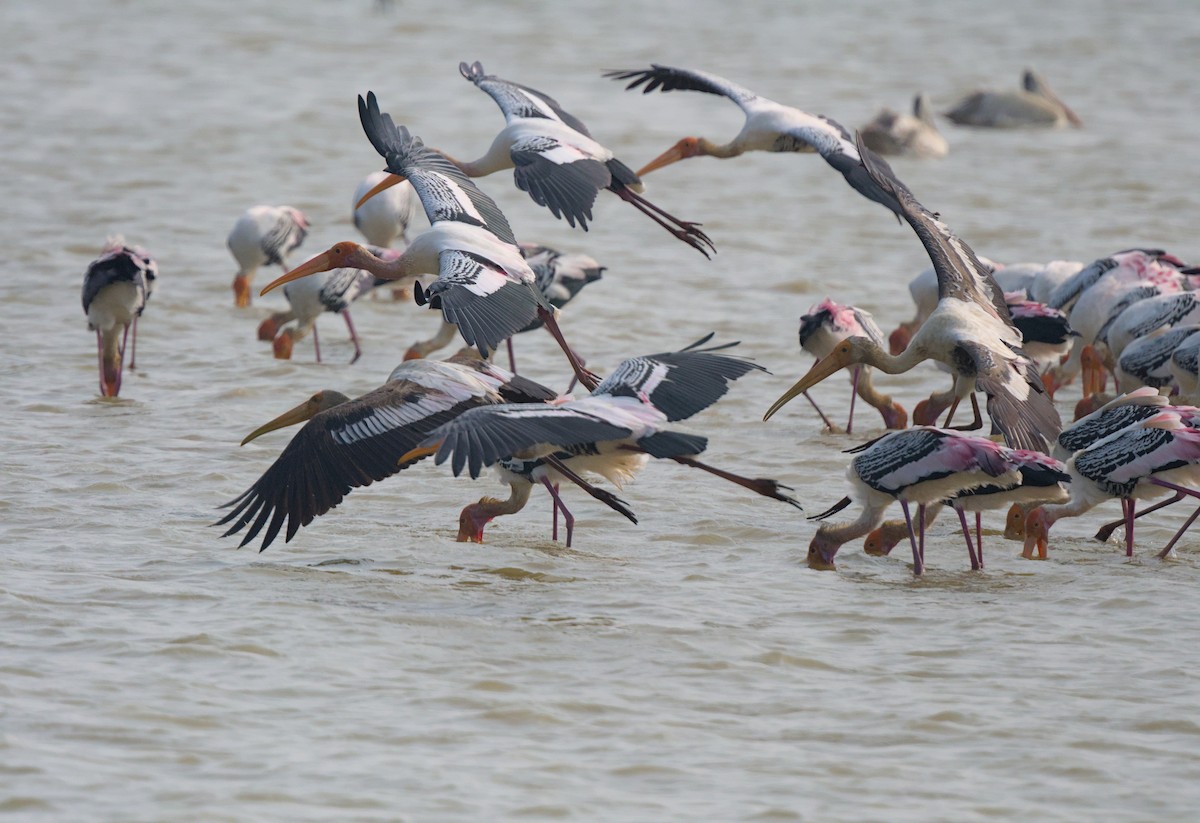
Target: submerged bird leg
976	564
974	425
1187	525
606	497
823	419
1107	529
568	518
588	380
353	336
1127	505
133	344
683	230
853	396
921	520
760	485
918	564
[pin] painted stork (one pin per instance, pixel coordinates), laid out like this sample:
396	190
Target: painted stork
1034	104
310	297
1185	366
915	135
1046	333
824	326
1040	481
263	236
921	465
625	415
970	331
769	126
348	443
1147	361
484	285
115	288
1141	461
555	159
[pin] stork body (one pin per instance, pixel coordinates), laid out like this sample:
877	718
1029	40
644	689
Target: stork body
1148	360
263	236
385	220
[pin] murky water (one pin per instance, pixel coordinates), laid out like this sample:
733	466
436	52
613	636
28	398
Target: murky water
690	667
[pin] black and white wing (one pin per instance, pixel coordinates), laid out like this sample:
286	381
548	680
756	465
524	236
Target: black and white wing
517	101
446	193
959	271
361	441
484	436
679	384
117	266
670	78
479	297
560	176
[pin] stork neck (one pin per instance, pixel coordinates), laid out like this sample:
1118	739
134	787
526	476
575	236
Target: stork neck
894	364
397	269
498	158
833	535
722	150
517	498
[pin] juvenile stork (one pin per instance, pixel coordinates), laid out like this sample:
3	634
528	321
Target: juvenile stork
1032	105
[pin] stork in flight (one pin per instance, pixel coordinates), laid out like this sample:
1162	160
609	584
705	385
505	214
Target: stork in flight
555	159
970	331
769	126
484	285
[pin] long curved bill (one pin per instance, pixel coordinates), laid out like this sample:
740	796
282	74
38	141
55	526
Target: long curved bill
671	155
820	370
322	262
418	453
301	413
384	184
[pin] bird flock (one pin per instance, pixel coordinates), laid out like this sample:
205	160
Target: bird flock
1017	334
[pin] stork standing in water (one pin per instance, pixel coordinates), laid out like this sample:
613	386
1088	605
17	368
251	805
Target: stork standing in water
970	331
310	297
824	326
769	126
348	443
921	465
263	236
1144	460
611	432
115	288
484	285
555	159
1034	104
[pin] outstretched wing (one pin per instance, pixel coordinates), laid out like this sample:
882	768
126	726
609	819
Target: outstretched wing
484	436
446	193
669	78
517	101
559	176
679	384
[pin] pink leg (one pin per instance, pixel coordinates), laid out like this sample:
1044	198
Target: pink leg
824	419
918	560
568	518
133	346
962	518
1179	534
853	396
100	359
316	342
921	518
353	337
979	537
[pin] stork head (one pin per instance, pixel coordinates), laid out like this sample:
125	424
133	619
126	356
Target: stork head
1037	530
821	552
927	412
339	255
846	353
307	410
685	148
894	416
472	519
1014	523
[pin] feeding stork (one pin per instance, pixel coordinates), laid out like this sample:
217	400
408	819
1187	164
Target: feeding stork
824	326
263	236
1034	104
115	288
484	285
970	331
769	126
555	159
